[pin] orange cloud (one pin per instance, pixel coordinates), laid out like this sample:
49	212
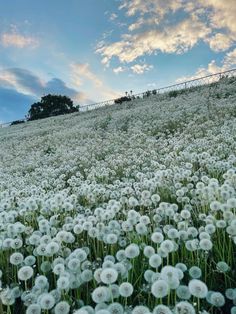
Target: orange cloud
141	68
18	40
82	72
220	42
175	39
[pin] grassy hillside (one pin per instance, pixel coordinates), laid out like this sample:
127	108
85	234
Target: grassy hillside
125	209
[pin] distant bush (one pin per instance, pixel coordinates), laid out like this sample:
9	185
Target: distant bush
17	122
147	94
122	99
173	93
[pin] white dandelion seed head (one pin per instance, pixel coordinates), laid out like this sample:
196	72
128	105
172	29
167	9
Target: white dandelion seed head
184	307
205	244
132	251
148	251
59	269
100	294
86	275
126	289
62	308
230	293
148	275
160	288
33	309
161	309
41	281
25	273
198	288
30	260
155	261
222	266
115	308
195	272
183	292
46	301
141	309
16	258
63	283
217	299
167	246
157	237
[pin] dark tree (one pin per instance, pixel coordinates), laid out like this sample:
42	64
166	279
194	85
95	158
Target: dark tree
51	105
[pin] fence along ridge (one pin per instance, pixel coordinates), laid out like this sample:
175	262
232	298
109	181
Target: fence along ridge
181	85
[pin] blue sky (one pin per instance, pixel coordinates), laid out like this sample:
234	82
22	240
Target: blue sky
93	50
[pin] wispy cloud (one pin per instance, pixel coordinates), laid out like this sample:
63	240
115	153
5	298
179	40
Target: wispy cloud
17	40
82	72
141	68
228	62
113	16
118	70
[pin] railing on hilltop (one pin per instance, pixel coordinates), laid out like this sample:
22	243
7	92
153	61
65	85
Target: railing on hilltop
205	80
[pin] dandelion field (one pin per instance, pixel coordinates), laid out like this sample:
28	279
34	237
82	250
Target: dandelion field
125	209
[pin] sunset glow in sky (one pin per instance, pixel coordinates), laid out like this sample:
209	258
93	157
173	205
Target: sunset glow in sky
93	50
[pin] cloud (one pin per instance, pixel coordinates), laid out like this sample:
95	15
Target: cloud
228	62
220	42
18	41
137	24
118	70
22	80
222	14
19	88
152	85
220	17
173	39
25	82
82	72
142	21
172	26
113	16
57	86
140	69
158	7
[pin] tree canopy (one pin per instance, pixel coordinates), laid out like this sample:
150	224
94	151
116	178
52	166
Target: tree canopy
51	105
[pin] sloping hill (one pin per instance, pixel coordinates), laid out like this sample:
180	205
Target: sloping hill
142	192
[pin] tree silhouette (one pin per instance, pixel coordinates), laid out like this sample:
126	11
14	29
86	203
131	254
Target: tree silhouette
51	105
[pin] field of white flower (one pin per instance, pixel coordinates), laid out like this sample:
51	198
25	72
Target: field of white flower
125	209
